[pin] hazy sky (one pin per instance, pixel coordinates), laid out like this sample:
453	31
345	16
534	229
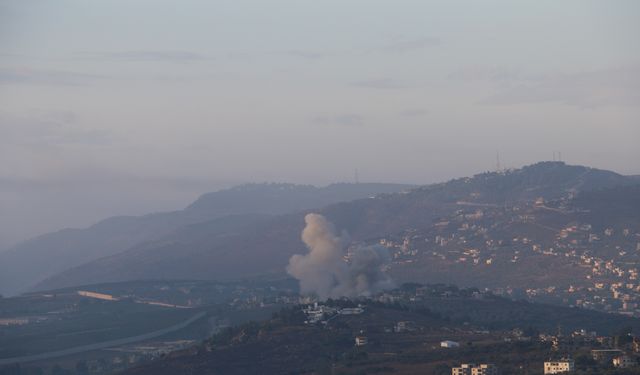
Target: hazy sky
130	106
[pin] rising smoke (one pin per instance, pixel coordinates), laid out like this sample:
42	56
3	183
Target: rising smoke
324	272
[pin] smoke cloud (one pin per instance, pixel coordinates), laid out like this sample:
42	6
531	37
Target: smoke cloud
324	271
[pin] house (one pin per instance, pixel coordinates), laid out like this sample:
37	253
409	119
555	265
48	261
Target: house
449	344
361	341
404	326
624	361
605	355
351	311
559	367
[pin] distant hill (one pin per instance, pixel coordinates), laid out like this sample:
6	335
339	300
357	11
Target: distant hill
265	248
284	198
34	260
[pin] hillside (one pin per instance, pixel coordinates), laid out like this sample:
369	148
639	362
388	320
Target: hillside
239	336
285	344
270	243
33	261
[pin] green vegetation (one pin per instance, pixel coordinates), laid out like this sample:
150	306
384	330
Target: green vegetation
284	344
84	321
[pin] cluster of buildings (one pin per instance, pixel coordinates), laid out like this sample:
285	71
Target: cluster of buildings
604	260
615	357
473	369
560	366
610	260
318	313
610	353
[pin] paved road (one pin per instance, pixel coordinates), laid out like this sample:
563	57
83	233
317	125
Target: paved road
102	345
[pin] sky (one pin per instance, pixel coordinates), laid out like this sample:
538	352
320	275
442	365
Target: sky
125	107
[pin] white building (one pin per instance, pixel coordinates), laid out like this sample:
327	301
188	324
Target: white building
361	341
559	367
315	313
404	326
449	344
351	311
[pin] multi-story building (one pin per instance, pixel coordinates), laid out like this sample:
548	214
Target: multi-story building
472	369
559	367
605	355
624	361
361	341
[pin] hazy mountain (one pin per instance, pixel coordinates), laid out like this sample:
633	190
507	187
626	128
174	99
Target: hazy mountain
267	246
34	260
283	198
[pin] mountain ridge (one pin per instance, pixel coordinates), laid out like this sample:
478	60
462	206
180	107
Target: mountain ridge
34	260
270	244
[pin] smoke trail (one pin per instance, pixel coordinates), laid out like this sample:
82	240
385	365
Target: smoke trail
323	270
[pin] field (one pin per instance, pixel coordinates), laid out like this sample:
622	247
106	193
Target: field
77	322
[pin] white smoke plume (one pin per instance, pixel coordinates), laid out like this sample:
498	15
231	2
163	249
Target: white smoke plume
325	273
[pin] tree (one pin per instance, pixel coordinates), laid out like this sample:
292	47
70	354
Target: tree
584	361
442	369
11	370
622	339
82	368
